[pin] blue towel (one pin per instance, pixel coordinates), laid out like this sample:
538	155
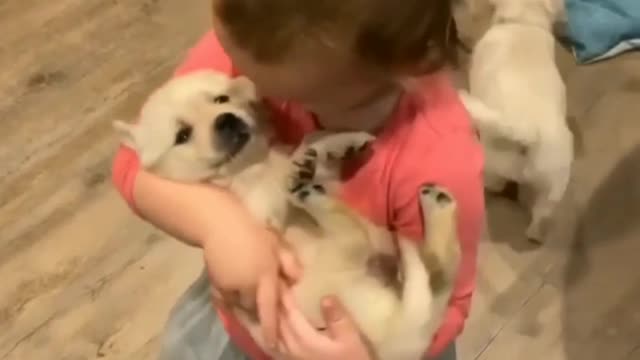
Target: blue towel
600	29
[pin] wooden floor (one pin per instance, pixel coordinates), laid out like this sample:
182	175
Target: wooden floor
82	278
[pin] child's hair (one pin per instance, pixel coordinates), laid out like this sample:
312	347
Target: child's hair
390	35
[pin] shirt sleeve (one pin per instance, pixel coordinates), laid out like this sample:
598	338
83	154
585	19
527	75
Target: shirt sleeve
453	161
206	54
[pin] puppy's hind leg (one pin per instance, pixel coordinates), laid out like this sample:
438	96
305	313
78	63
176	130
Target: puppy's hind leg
441	247
428	274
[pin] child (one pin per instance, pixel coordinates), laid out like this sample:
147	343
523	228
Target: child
373	65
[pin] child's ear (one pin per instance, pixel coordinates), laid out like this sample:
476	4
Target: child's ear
126	132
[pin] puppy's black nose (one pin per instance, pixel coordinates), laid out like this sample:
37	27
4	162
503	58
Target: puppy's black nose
229	123
231	131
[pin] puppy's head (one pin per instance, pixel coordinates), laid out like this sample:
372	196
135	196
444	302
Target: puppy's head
537	12
201	126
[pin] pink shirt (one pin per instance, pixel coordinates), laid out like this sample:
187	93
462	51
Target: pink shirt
429	139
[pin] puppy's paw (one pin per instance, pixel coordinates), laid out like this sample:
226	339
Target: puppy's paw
344	145
535	232
309	194
304	170
435	200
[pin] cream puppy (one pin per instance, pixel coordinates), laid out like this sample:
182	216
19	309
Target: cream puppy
208	127
518	103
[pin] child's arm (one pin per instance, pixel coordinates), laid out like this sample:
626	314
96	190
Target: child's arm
455	163
214	220
206	216
203	208
156	200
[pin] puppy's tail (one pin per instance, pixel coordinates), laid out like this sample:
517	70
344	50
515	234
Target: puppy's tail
489	120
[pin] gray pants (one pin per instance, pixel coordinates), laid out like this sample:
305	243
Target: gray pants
194	331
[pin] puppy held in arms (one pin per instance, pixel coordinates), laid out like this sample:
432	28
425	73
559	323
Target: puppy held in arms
209	127
518	103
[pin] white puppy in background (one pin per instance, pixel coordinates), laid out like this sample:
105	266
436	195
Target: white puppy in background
517	100
208	127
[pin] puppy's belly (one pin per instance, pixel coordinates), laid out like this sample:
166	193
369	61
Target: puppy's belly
326	273
368	302
317	284
319	263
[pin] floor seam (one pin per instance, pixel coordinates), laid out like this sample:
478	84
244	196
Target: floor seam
511	319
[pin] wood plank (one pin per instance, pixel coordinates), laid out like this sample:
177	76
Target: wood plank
58	140
113	282
83	277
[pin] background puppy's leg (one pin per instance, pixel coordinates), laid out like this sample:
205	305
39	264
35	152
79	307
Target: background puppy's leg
504	164
541	211
494	182
548	195
553	164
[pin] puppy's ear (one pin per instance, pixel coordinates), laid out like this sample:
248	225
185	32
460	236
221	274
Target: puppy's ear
243	87
149	145
127	133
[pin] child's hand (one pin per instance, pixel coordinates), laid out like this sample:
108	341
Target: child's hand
249	262
301	341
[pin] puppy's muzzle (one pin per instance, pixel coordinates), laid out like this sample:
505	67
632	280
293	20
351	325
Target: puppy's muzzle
230	133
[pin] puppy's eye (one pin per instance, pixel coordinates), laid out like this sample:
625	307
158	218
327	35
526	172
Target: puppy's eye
220	99
183	135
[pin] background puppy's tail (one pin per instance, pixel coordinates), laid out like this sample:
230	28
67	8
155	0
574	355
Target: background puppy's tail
492	121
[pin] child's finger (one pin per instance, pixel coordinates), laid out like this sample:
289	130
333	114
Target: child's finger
267	302
339	323
309	337
289	344
218	300
290	265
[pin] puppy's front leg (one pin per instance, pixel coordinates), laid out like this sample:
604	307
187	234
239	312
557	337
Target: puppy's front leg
308	189
333	217
338	223
328	149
